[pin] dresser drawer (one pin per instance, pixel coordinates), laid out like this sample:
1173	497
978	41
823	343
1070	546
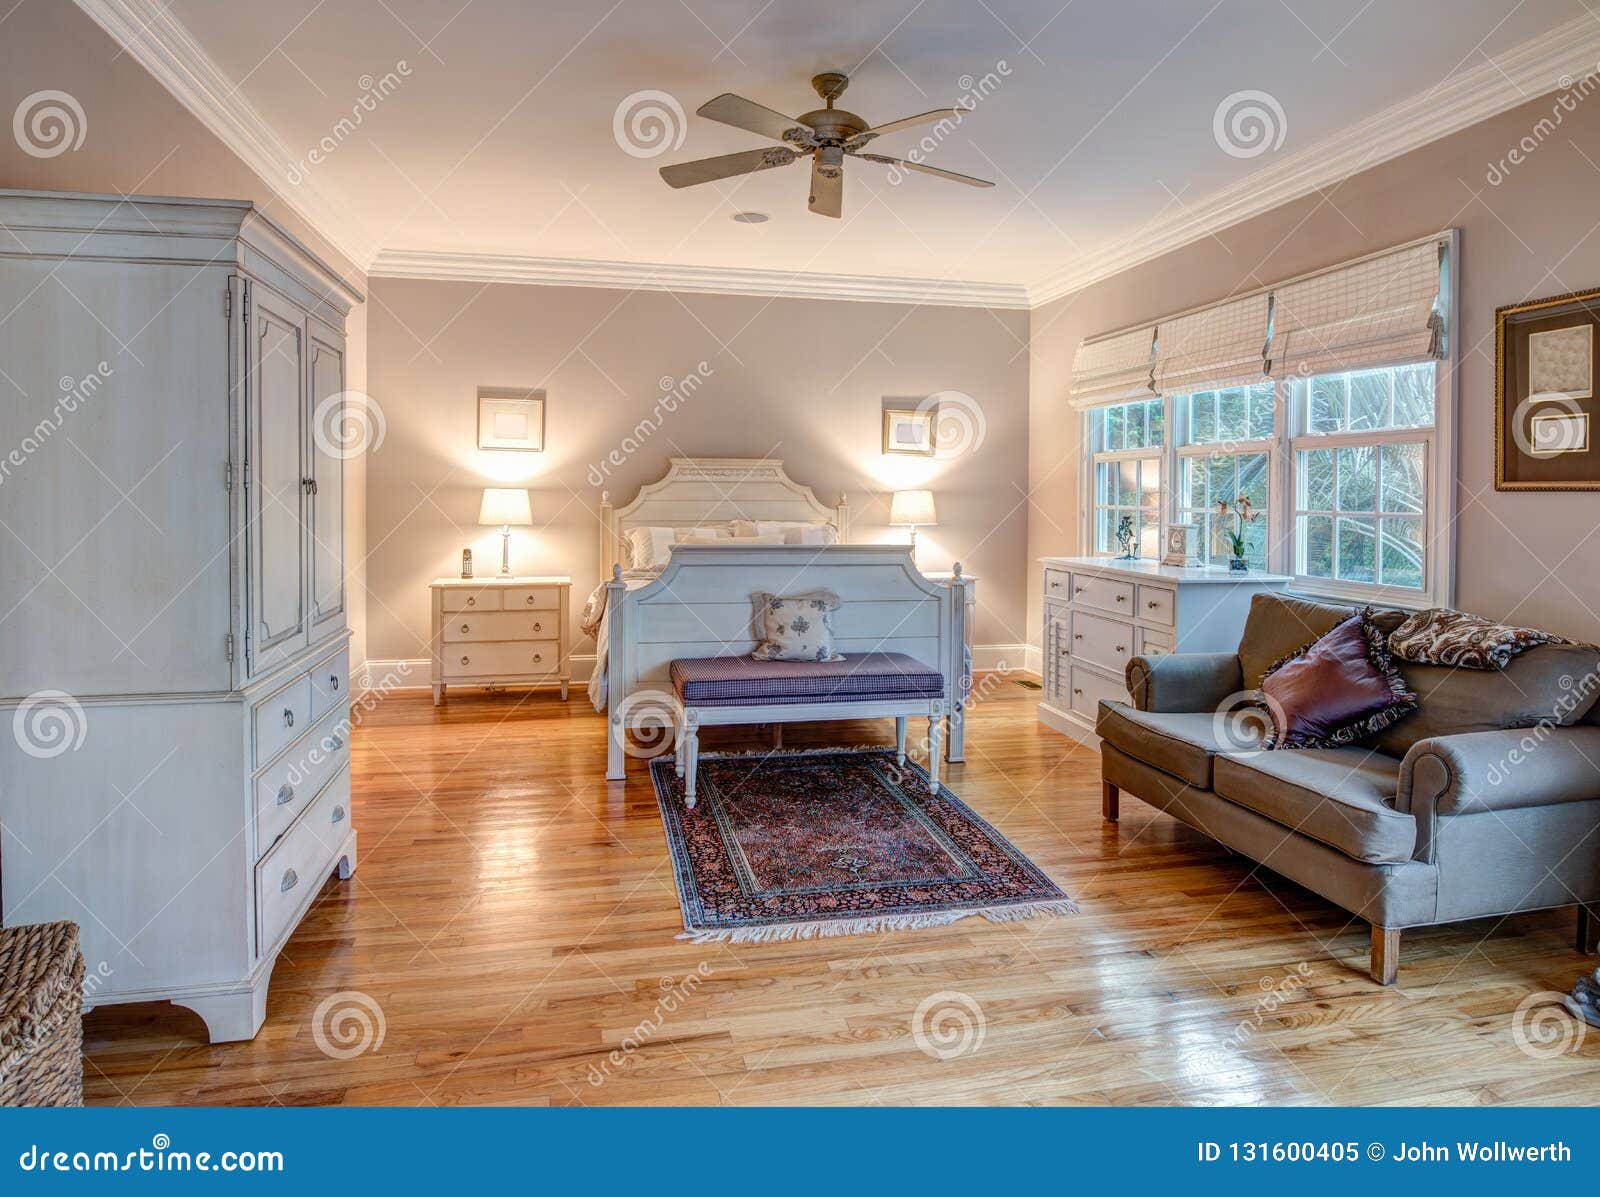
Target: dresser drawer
1157	604
463	661
1089	689
1057	584
1108	594
280	718
289	876
292	781
531	598
469	627
469	600
1107	643
330	683
1154	644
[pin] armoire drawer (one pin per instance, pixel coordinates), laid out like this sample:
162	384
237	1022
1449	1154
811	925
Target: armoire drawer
290	874
467	627
532	598
280	718
330	683
1100	641
1089	689
470	600
463	661
292	781
1108	594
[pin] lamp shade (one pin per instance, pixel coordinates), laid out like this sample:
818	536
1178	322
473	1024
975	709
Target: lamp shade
502	506
912	507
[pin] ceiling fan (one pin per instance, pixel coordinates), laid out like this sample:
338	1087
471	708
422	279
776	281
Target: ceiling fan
826	136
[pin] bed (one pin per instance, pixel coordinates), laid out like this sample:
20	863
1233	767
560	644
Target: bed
698	603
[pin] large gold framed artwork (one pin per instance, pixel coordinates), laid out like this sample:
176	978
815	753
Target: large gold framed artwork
1545	394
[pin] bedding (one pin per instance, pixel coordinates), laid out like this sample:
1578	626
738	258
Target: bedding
593	623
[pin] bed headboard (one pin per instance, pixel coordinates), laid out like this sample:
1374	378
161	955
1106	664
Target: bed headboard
712	490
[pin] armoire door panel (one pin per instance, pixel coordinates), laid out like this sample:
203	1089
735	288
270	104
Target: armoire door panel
329	444
276	485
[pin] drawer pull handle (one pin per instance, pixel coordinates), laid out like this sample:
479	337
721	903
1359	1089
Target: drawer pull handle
1152	604
338	815
538	656
471	601
336	743
1077	635
285	794
290	880
466	627
1076	690
1077	590
466	660
538	627
1122	648
1064	653
288	717
530	600
1122	598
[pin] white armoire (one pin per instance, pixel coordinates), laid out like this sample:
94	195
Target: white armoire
174	673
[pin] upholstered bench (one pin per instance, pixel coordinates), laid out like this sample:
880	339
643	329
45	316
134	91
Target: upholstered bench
717	691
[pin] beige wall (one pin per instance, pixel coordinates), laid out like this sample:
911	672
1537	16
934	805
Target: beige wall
1528	557
139	140
798	379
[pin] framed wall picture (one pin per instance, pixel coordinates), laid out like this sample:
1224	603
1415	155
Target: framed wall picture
909	431
511	419
1545	394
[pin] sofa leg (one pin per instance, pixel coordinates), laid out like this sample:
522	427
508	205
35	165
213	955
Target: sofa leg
1109	804
1385	954
1588	939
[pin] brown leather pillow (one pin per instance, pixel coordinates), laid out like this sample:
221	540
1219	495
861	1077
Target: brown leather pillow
1336	690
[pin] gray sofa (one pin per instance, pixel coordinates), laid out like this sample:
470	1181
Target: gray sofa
1485	801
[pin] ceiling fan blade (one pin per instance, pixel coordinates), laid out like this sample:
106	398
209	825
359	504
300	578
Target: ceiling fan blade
754	118
827	187
925	169
708	170
922	118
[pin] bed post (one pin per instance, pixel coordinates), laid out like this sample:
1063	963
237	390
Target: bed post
608	548
617	650
841	518
959	669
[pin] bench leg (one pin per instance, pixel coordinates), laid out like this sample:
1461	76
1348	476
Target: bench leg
1110	806
900	739
1385	964
616	757
935	747
777	735
1588	940
691	751
677	747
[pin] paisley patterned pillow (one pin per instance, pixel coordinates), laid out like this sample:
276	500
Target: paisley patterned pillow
1442	636
796	627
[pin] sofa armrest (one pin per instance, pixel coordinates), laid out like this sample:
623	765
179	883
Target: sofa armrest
1496	770
1184	681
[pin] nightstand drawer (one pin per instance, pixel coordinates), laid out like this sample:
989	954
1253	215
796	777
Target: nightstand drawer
532	598
469	627
498	659
1106	593
470	600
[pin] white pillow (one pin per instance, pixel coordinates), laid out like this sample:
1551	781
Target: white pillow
648	548
685	535
796	627
818	532
735	541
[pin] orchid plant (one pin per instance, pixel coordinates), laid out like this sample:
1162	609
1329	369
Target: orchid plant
1242	515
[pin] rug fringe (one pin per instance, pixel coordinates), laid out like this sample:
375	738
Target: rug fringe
787	932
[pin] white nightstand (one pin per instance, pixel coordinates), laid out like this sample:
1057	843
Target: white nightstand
500	632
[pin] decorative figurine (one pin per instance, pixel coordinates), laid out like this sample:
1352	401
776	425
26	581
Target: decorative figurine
1242	515
1127	538
466	563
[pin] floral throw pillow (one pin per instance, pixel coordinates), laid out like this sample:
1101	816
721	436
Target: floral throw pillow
1336	690
796	627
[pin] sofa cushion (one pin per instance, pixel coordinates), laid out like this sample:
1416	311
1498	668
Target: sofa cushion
1278	626
1342	797
1558	683
1180	743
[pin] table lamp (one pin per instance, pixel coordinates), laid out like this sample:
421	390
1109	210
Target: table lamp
909	508
505	507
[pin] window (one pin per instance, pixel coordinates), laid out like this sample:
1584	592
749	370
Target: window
1225	454
1362	478
1128	440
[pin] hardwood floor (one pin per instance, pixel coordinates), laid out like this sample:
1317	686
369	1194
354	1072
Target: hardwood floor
512	925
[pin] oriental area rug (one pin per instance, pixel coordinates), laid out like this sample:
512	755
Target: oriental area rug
798	845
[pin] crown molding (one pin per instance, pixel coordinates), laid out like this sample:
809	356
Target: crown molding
1534	68
638	276
161	44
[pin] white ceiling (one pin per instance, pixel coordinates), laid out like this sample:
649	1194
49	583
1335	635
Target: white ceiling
498	138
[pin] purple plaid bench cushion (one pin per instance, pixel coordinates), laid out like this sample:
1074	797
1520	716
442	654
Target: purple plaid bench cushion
744	681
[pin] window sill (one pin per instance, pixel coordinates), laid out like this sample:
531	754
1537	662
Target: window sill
1320	590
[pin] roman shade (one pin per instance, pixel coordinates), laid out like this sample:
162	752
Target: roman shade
1381	311
1223	345
1114	369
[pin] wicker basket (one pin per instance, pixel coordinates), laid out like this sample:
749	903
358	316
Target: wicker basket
41	1016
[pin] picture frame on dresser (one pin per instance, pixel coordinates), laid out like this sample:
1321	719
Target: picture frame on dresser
1102	612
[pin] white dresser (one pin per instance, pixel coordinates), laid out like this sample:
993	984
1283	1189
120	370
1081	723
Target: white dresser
174	667
1100	613
500	632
